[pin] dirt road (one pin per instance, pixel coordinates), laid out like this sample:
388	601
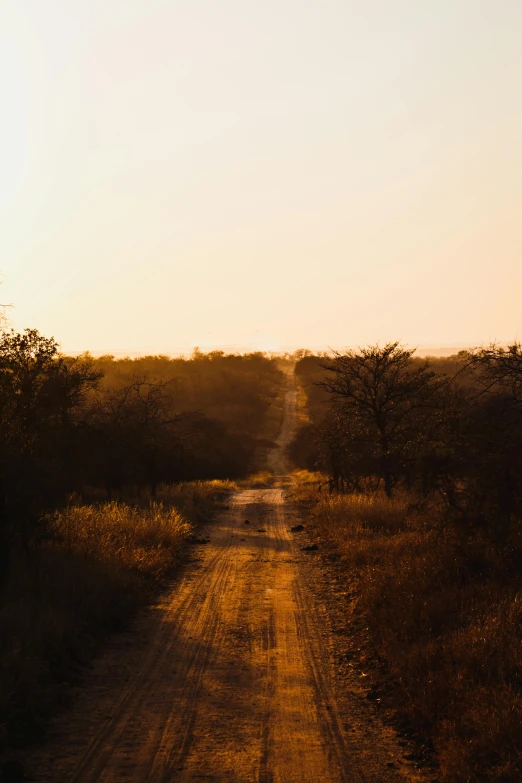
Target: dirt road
229	677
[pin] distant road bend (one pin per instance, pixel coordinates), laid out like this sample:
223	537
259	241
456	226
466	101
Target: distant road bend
229	677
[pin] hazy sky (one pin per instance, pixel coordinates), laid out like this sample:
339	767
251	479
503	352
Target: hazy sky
270	174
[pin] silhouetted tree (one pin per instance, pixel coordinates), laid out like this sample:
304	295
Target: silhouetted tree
383	397
69	423
42	395
488	484
134	436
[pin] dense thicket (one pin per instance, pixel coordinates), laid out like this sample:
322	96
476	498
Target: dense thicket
449	430
68	424
43	398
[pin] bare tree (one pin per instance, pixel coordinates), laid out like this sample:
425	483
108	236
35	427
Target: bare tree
386	395
493	453
498	369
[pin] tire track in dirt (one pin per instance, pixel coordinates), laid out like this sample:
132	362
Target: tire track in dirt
228	677
127	720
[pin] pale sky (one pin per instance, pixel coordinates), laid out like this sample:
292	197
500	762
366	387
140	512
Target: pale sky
272	174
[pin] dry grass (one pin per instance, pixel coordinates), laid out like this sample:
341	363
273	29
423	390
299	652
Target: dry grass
143	540
96	566
259	480
445	614
196	500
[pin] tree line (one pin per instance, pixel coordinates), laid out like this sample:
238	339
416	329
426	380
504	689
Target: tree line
72	424
449	431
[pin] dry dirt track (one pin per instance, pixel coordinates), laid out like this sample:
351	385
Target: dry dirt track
229	677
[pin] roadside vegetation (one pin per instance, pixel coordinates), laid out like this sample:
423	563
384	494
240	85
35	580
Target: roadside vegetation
419	470
106	469
91	568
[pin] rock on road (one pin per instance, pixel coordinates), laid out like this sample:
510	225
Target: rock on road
228	676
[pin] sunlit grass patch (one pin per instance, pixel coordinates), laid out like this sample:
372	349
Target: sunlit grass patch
362	514
444	613
307	478
197	500
122	536
306	486
259	480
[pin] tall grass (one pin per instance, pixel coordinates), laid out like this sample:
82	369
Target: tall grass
142	540
260	480
196	500
93	568
445	614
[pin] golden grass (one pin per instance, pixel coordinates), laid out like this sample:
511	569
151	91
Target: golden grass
122	536
97	564
196	500
445	614
259	480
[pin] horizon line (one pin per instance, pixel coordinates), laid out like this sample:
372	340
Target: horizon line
447	349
